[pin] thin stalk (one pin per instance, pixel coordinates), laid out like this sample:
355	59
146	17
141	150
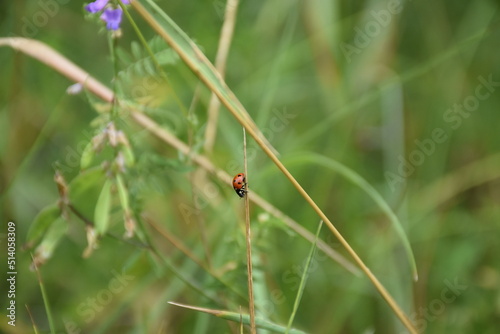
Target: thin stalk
35	329
303	280
226	37
251	303
112	42
241	321
45	299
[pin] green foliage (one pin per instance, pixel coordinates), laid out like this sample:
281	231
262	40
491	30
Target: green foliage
331	85
103	208
50	240
85	189
123	193
129	156
42	223
87	156
139	63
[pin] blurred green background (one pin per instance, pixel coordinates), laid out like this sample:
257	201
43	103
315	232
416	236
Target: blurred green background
405	93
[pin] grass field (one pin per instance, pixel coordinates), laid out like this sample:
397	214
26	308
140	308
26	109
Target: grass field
371	152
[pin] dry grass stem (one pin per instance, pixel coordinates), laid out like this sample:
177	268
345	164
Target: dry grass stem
248	234
220	64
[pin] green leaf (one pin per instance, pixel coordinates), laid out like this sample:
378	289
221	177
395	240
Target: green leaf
138	68
149	67
41	224
167	57
102	209
123	56
136	50
87	156
85	189
122	192
51	239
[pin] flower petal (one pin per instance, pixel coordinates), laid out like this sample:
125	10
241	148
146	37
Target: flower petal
96	6
112	17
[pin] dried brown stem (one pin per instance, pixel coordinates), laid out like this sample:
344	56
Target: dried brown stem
220	64
248	234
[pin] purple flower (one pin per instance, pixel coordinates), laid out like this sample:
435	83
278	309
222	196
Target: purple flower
96	6
112	17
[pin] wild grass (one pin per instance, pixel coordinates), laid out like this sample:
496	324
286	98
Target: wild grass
146	234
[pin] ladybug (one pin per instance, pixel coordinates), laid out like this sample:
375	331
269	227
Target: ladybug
239	184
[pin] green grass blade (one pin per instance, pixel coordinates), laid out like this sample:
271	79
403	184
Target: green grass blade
303	280
45	298
356	179
241	318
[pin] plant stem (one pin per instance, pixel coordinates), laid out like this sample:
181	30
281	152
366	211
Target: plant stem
249	242
45	299
226	37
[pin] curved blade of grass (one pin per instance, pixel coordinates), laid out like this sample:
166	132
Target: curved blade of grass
199	64
241	318
45	298
303	280
356	179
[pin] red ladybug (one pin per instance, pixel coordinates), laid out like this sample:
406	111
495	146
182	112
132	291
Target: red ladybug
239	184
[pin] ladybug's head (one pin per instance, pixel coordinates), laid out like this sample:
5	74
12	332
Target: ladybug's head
241	192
